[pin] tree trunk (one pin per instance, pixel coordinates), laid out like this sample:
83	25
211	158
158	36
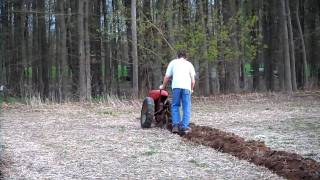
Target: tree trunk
269	40
134	49
96	32
82	55
204	49
104	45
311	36
44	69
170	29
233	64
107	51
262	68
23	78
304	54
213	68
87	51
16	40
62	53
292	49
287	66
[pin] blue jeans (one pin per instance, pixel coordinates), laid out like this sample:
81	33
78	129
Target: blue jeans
178	96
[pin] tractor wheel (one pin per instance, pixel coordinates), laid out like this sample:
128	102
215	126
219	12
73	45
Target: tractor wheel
147	112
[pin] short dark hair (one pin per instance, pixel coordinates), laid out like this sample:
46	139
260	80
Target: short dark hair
182	53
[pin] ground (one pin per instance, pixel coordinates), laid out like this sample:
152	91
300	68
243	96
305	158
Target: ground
104	140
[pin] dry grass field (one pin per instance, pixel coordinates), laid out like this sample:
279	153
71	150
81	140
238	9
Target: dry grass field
104	140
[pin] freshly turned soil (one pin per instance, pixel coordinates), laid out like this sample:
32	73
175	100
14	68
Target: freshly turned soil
289	165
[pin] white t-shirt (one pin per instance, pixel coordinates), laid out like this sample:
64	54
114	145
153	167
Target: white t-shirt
182	72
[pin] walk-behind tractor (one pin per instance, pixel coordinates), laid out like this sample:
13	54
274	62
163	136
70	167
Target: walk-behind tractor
156	110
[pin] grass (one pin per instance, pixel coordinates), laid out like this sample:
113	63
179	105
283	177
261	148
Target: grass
108	113
150	152
10	100
122	129
198	164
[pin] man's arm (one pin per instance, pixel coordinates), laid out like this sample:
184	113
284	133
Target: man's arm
167	76
193	82
165	82
193	78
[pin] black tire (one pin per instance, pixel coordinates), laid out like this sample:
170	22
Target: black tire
147	112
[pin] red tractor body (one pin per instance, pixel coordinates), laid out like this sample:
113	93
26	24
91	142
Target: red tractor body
156	94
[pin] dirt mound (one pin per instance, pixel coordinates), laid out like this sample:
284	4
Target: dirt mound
289	165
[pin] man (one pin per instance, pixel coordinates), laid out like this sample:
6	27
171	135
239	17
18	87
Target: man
183	81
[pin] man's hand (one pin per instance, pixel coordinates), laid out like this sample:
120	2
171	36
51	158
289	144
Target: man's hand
164	83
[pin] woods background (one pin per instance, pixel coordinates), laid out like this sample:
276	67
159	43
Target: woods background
68	49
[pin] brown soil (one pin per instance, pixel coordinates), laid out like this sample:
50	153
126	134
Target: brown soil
289	165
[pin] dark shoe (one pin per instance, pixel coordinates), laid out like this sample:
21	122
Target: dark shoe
186	130
175	129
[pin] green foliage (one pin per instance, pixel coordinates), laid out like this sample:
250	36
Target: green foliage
226	38
192	39
98	99
28	72
198	164
9	99
53	72
250	42
312	71
122	71
248	69
1	99
307	71
151	151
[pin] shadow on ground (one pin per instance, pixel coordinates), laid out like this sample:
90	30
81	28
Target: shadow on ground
289	165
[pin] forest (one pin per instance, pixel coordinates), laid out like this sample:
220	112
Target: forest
85	49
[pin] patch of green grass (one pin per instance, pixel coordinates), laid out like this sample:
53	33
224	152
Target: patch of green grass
1	99
309	124
122	129
134	156
108	113
98	99
10	99
198	164
151	151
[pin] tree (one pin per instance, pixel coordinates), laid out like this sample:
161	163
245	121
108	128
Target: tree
292	48
204	49
80	49
303	46
287	67
84	51
134	48
62	51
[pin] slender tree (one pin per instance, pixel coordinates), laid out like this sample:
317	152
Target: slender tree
287	67
62	51
134	48
87	51
303	46
204	48
292	48
82	57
